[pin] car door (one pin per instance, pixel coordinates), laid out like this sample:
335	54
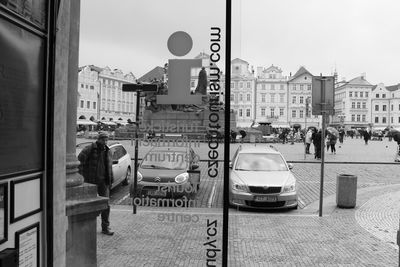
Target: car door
124	161
115	164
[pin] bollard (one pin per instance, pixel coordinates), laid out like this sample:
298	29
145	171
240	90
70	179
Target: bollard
346	190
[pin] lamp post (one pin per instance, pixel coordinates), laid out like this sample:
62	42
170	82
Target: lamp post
138	88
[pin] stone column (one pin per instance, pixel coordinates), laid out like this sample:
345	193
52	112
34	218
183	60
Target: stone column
83	205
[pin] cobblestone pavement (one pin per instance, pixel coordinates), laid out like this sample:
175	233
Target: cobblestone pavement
339	238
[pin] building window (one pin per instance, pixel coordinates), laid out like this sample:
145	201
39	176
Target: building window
294	100
361	94
282	98
86	86
94	105
301	99
358	117
248	112
248	84
272	86
262	97
232	97
391	120
232	85
240	112
376	107
364	105
384	108
363	118
82	86
240	84
309	87
82	103
353	117
240	97
377	119
263	86
88	104
355	94
92	87
282	87
272	98
281	110
248	97
358	105
294	87
293	113
383	95
301	87
301	113
353	104
192	84
377	95
263	112
366	94
391	107
384	120
399	119
350	94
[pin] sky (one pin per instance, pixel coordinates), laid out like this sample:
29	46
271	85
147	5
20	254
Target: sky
351	36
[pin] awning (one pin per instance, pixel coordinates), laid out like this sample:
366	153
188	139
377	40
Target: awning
85	122
108	122
280	125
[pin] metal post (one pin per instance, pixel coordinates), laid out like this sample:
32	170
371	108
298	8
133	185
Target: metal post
305	128
136	151
323	108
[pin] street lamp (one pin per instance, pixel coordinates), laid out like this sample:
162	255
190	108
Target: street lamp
138	88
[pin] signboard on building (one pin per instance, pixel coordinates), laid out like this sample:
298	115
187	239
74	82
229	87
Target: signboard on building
323	95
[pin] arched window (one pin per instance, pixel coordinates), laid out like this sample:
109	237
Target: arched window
82	117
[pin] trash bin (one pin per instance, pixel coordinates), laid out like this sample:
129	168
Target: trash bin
346	190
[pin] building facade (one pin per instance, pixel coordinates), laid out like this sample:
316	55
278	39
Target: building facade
101	97
299	89
385	106
353	103
271	97
243	92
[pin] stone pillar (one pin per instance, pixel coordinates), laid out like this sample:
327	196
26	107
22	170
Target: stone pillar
82	205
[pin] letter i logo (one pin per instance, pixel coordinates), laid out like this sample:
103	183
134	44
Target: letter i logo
179	44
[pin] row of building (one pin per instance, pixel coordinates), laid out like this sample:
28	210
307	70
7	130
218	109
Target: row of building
266	96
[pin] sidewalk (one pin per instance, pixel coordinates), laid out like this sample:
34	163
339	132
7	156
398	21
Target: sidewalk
363	236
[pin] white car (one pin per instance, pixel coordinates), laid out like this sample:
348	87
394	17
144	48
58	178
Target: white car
121	162
261	178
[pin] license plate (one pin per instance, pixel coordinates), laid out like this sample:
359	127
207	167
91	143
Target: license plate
157	193
266	198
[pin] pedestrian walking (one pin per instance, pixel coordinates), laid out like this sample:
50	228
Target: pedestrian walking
308	140
366	136
341	135
317	144
243	134
96	168
332	142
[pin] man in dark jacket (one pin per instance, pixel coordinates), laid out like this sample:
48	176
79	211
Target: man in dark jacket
316	138
96	168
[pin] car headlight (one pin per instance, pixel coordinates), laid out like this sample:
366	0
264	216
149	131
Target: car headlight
139	176
289	188
181	178
239	187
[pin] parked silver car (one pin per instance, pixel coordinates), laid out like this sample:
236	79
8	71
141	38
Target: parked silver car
261	178
121	162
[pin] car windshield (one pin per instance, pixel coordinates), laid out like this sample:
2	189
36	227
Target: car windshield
260	162
168	160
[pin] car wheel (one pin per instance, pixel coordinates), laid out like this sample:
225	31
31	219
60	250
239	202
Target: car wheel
127	177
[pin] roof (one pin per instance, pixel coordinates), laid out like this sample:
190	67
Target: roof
156	73
202	55
238	60
300	72
92	68
374	87
360	80
393	87
272	67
